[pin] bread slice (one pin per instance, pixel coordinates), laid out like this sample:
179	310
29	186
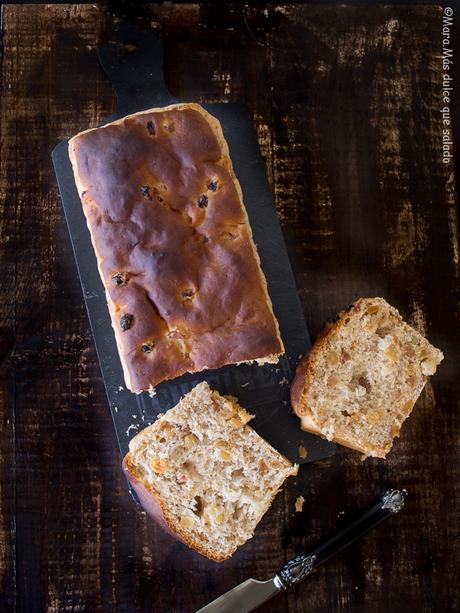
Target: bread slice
174	245
362	377
205	475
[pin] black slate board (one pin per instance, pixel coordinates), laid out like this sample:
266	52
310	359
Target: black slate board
133	61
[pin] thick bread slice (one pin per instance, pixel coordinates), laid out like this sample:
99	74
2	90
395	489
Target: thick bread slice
205	475
174	245
362	377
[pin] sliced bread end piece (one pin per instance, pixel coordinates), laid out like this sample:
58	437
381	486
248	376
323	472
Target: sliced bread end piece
205	475
362	377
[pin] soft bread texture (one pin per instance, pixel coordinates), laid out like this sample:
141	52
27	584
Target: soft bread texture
362	377
205	475
174	246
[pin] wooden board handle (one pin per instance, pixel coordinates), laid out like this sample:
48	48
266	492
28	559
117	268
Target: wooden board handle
133	62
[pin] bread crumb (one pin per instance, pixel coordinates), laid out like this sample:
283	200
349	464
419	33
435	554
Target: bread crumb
152	391
284	381
428	367
245	384
120	388
299	504
132	427
302	452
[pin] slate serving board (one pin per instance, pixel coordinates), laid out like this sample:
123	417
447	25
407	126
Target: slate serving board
133	61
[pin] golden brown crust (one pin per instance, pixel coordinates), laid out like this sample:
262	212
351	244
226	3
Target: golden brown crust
303	374
308	425
174	245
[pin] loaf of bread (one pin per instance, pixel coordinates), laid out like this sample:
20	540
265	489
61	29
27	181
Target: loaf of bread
174	246
362	377
205	475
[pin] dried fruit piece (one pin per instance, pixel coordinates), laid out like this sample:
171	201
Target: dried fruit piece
216	513
145	189
188	294
374	416
147	347
199	506
225	455
159	465
407	407
364	382
186	522
244	416
165	427
262	467
391	354
190	441
240	420
333	380
120	278
212	185
126	321
151	128
228	408
203	201
333	358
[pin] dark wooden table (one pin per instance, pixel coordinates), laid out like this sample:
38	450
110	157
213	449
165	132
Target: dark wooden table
347	105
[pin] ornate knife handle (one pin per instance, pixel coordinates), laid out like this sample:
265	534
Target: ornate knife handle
389	503
295	570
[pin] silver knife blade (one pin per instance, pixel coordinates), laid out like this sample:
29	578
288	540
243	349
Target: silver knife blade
244	597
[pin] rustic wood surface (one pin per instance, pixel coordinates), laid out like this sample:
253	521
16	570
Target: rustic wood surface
346	104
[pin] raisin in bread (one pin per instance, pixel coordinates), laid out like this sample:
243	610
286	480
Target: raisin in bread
362	377
205	475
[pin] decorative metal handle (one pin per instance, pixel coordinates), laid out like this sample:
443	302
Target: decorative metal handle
394	500
295	570
388	503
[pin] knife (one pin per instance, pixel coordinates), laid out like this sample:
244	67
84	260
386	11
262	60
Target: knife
252	593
